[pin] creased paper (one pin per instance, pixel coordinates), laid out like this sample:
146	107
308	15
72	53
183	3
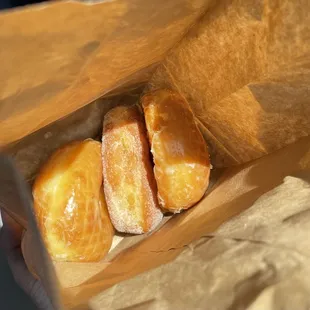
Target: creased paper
66	54
245	70
258	260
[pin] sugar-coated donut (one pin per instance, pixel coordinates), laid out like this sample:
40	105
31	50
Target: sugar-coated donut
129	184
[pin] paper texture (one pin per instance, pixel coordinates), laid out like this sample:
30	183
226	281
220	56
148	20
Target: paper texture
244	69
258	260
67	54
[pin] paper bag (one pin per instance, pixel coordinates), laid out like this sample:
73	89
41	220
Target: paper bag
257	260
243	66
67	54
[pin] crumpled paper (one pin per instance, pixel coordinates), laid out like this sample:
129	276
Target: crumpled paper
244	69
258	260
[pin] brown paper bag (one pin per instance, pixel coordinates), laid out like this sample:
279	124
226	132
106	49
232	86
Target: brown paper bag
257	260
244	68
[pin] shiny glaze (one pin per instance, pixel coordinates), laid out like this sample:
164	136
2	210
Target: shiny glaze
70	206
181	157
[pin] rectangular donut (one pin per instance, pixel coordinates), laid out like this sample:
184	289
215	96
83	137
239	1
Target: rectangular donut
182	164
129	183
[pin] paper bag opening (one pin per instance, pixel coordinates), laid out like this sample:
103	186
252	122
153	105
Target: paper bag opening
243	68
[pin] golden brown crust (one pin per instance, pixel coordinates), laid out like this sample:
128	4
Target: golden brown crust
129	184
70	206
181	157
